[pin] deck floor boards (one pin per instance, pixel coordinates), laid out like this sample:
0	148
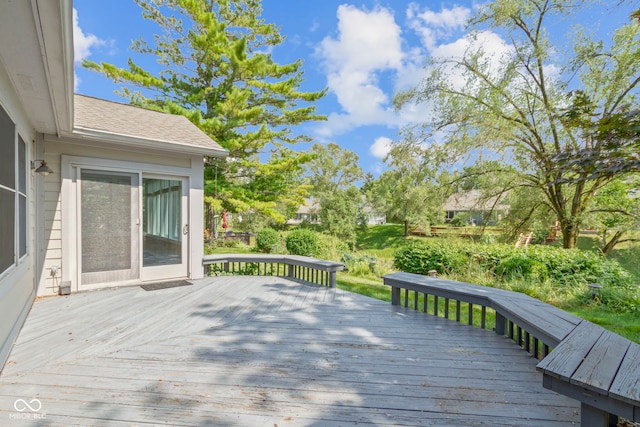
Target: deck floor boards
263	351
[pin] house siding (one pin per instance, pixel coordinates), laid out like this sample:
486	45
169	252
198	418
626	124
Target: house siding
17	281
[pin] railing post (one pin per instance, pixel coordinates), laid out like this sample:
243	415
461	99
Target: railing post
395	295
500	324
593	417
291	270
332	279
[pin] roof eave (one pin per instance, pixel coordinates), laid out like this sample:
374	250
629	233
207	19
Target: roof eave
128	141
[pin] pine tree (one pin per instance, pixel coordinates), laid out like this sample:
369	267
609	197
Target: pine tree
218	72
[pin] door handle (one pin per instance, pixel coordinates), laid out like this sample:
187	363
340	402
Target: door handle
185	229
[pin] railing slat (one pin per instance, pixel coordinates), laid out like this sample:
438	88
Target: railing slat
308	269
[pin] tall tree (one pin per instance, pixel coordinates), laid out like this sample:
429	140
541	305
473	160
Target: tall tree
409	190
517	104
218	72
332	168
342	212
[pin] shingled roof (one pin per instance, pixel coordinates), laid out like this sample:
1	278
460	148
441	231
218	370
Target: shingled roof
473	201
152	129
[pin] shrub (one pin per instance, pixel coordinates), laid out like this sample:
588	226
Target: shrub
461	219
521	266
331	247
266	239
565	268
420	258
303	242
359	265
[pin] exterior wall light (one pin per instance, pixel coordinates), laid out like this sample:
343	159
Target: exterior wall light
43	169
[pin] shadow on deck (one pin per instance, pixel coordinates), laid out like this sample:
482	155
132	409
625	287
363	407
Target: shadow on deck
253	351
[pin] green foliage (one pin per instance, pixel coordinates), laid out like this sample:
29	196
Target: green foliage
267	239
461	219
420	258
521	266
341	213
303	242
508	104
408	191
332	168
359	265
554	269
331	247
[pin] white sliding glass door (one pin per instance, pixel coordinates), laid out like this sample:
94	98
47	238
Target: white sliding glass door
132	227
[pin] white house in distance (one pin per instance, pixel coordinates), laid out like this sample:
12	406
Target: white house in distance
309	212
123	201
476	205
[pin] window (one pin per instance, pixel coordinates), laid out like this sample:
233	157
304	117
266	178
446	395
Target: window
22	197
13	194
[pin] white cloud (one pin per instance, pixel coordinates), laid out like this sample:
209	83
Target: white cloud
433	26
381	147
368	43
367	60
82	44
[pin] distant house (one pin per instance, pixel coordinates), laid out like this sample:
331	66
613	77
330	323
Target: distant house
93	193
476	205
309	212
374	216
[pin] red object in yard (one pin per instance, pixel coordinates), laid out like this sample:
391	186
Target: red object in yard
224	219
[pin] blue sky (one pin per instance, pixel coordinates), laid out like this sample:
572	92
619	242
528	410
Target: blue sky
363	52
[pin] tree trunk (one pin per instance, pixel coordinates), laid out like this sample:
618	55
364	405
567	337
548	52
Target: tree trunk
406	228
570	231
612	242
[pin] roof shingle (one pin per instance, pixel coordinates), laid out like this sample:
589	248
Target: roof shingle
99	115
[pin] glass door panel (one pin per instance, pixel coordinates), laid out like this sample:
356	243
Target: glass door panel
164	229
108	227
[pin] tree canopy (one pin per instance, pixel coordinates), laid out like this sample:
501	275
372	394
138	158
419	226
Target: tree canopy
217	70
332	168
541	110
409	190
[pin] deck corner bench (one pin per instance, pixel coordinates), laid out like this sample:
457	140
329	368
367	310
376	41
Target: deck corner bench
578	359
308	269
598	368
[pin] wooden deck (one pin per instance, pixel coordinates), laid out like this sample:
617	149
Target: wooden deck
264	351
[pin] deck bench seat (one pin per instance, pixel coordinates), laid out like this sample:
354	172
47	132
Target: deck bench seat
588	363
598	368
550	324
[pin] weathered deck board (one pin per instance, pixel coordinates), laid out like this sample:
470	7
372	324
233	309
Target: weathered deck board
254	351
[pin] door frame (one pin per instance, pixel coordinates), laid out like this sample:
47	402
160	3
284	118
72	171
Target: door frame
69	171
170	271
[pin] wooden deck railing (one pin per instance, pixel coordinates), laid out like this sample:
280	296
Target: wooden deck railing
588	363
308	269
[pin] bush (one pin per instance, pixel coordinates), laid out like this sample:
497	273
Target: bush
331	247
420	258
520	266
461	219
303	242
565	268
266	240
